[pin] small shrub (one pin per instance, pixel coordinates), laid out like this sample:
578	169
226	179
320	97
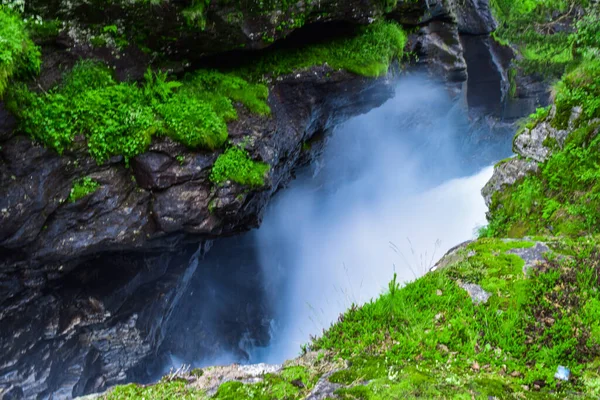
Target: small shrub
236	165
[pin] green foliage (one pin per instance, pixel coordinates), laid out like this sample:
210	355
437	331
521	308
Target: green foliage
121	118
41	30
195	15
565	196
368	53
18	55
236	165
580	87
429	340
529	24
82	188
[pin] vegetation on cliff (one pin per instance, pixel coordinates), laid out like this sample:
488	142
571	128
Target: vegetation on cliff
18	54
236	165
563	198
540	29
83	187
369	53
121	118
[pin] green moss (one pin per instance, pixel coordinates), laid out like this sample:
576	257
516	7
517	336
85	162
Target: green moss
292	383
236	165
83	187
18	54
161	391
369	52
580	87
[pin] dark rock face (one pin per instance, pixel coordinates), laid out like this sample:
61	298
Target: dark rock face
116	313
187	28
48	243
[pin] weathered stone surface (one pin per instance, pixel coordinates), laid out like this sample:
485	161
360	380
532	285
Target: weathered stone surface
474	17
506	174
440	43
324	389
531	255
531	143
478	295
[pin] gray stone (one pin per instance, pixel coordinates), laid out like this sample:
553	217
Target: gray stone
478	295
531	255
324	389
530	143
506	174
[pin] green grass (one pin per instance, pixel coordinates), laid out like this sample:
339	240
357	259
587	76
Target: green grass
18	55
236	165
428	339
83	187
161	391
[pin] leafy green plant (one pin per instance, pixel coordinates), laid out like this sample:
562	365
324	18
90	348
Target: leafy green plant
18	54
83	187
236	165
528	24
120	118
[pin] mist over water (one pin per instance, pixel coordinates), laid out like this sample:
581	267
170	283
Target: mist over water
393	190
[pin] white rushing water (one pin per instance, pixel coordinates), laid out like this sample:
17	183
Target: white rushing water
394	191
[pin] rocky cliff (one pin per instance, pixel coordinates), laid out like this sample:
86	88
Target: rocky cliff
88	283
